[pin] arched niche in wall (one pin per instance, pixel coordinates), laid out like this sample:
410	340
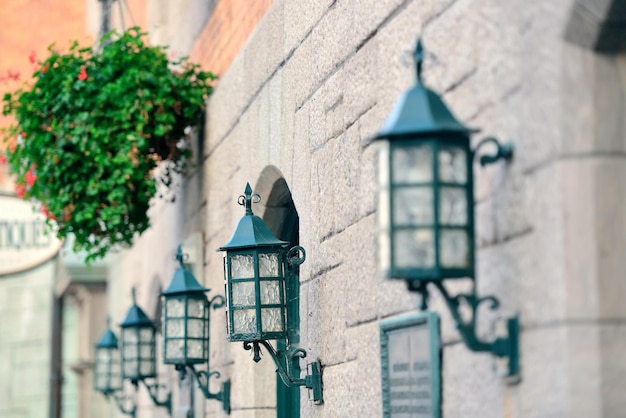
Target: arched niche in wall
279	213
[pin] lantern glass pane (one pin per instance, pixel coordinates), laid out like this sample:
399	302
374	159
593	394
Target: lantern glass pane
195	349
130	336
413	206
146	352
244	321
131	368
268	265
452	206
243	294
147	367
414	248
195	328
383	165
454	248
452	164
174	349
146	335
175	328
241	266
130	351
270	292
196	308
412	164
271	320
175	307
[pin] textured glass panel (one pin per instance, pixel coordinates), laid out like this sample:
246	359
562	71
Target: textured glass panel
241	266
146	335
244	321
175	328
383	165
130	351
174	349
270	292
195	308
271	320
103	355
195	349
412	164
129	335
116	381
453	165
268	265
413	206
243	294
195	328
146	351
384	247
102	383
414	248
454	247
175	308
452	206
131	368
146	368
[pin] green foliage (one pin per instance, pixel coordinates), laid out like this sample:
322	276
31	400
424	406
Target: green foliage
92	128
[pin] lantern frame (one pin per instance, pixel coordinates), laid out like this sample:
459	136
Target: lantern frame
252	238
185	289
109	342
421	118
138	323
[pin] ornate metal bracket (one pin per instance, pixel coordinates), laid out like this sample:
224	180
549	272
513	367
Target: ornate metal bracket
284	360
506	347
124	403
153	391
503	151
202	378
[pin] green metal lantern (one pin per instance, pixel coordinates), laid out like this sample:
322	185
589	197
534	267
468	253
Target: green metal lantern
185	319
425	205
138	345
255	279
107	373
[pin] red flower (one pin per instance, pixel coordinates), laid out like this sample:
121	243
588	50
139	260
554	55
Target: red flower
32	57
47	213
20	190
13	75
82	76
3	159
45	69
23	134
30	178
12	147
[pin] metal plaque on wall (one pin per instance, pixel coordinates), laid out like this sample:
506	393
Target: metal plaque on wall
411	366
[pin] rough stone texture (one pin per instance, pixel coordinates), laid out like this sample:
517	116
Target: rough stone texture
312	85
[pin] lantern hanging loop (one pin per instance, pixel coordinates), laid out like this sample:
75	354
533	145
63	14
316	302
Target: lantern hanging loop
504	151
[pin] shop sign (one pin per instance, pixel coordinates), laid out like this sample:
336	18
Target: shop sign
411	366
26	240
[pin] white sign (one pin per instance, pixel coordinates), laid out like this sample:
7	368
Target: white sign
26	241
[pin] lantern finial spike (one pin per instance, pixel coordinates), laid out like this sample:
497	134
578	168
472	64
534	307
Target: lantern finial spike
180	256
133	294
108	321
245	199
418	55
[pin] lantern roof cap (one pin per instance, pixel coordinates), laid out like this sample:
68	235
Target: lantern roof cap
420	112
252	231
136	317
108	339
183	282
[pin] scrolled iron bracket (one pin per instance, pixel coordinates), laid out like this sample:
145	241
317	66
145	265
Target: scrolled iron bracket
153	391
124	403
203	378
284	359
506	347
503	151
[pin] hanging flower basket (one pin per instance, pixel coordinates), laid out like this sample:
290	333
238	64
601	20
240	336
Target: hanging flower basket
91	129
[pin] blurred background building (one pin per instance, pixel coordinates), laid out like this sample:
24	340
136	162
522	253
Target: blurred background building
303	87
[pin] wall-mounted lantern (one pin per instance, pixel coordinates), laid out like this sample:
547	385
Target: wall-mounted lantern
108	373
426	206
186	315
257	264
139	353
